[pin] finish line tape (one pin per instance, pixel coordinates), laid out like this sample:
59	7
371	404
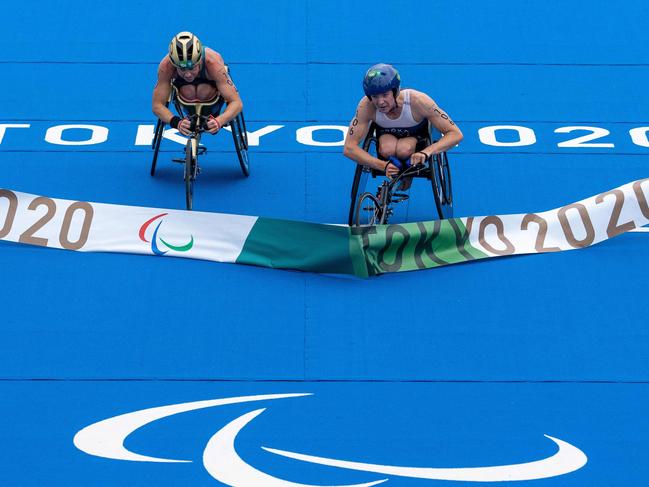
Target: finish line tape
284	244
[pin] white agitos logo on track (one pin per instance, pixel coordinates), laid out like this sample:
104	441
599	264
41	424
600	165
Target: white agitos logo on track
221	460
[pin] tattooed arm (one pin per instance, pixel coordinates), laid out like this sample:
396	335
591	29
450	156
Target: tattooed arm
425	107
358	129
219	73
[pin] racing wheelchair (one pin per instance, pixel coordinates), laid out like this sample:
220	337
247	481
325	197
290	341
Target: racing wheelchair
198	113
368	208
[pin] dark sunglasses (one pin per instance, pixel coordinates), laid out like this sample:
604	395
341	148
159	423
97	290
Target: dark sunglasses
186	65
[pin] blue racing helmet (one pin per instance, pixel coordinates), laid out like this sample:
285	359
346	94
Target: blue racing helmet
381	78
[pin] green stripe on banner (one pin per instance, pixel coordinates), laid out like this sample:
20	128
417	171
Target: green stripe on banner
365	251
285	244
413	246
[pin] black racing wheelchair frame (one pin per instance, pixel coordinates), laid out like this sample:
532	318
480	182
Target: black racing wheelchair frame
375	209
195	113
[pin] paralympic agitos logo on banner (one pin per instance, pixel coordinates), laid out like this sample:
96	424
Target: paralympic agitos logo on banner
155	246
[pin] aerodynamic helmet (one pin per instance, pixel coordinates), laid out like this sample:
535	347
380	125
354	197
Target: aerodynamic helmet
185	50
381	78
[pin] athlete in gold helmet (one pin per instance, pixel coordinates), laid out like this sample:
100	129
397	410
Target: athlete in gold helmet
199	74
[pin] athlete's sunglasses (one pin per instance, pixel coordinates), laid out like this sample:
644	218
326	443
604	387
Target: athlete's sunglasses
186	65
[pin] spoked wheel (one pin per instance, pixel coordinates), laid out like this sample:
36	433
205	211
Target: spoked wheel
358	188
190	173
368	211
447	187
240	137
441	183
245	130
157	138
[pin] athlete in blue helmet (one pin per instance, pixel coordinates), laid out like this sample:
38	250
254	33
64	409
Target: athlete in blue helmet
402	117
199	74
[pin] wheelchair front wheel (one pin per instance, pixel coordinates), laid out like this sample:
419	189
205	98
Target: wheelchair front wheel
190	173
157	138
368	211
240	138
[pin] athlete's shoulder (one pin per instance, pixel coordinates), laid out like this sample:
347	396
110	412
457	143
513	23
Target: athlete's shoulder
166	69
212	57
365	109
422	104
420	98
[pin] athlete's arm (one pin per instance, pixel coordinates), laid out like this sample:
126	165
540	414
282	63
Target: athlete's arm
161	94
357	131
162	91
218	72
424	106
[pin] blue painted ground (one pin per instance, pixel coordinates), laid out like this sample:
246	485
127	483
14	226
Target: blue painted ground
462	366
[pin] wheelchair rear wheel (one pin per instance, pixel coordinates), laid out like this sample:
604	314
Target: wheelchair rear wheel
441	184
358	187
447	187
240	137
368	211
157	138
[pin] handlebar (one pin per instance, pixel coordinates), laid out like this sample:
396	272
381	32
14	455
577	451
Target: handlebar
198	123
406	171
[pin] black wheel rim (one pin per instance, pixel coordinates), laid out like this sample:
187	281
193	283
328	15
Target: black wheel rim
358	188
385	203
157	139
244	131
448	187
441	187
239	137
243	160
445	187
435	181
190	168
368	211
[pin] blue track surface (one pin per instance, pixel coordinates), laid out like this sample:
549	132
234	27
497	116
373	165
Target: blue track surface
464	366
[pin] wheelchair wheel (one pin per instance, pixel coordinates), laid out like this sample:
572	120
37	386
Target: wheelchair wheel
157	139
441	184
370	145
240	138
190	173
368	211
447	187
358	187
245	130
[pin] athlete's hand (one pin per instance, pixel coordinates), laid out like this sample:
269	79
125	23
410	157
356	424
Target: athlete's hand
418	158
213	125
391	170
184	126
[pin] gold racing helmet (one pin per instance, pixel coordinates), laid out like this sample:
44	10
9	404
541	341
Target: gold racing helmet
185	50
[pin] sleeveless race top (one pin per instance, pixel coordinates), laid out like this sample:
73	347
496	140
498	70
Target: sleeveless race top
405	125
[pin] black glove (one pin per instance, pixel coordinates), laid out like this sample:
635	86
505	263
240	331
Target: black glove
175	121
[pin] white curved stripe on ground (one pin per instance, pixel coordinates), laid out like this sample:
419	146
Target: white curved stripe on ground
224	464
566	460
106	438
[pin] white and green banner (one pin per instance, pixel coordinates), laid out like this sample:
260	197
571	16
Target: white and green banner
284	244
